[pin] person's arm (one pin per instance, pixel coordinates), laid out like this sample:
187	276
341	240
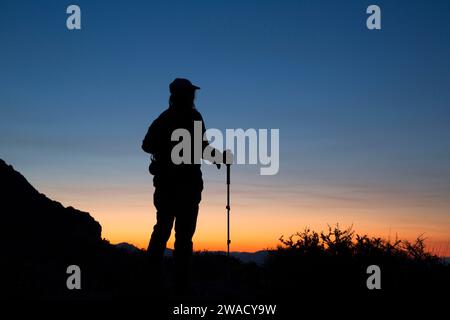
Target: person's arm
150	143
217	157
207	148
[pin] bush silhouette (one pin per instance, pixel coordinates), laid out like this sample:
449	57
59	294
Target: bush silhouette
338	259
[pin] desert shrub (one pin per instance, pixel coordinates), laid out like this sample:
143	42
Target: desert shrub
337	259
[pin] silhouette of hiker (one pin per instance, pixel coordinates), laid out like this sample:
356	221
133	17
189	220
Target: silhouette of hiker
178	187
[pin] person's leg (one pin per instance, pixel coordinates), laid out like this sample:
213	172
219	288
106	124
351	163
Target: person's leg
160	236
162	228
185	224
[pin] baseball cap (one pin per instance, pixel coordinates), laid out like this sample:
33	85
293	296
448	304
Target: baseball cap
181	85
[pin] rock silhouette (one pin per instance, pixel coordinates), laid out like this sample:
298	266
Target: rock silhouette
41	238
38	223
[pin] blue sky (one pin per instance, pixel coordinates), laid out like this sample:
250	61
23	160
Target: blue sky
363	115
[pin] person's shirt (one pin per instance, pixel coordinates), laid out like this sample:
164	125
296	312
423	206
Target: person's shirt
158	140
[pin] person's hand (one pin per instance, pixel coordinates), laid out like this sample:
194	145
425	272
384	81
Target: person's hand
227	157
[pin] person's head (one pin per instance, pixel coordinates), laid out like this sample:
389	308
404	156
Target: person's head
182	94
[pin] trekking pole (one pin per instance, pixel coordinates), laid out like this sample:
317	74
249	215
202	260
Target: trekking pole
228	210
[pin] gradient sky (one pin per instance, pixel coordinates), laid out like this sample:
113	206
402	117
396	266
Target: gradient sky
364	116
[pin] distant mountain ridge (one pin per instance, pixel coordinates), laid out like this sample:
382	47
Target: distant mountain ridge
258	257
125	246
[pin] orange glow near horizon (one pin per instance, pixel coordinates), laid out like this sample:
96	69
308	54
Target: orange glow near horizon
259	219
